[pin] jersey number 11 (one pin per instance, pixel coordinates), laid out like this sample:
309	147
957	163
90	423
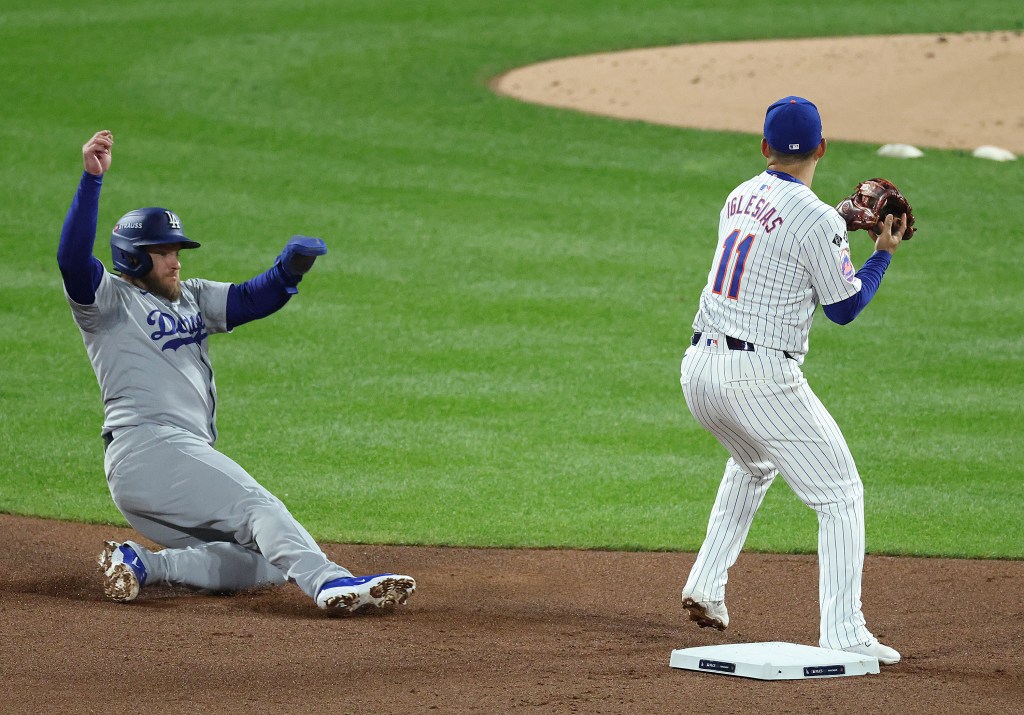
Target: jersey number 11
737	266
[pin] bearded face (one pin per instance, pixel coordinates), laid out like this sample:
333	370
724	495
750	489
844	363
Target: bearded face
164	279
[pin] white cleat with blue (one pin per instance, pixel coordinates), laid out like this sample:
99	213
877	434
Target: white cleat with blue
351	593
124	575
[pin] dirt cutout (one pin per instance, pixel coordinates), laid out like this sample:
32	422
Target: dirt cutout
948	91
489	631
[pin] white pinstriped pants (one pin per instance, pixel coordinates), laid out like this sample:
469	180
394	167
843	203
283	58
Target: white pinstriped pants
761	409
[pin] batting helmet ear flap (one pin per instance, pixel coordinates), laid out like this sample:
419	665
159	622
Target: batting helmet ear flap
128	259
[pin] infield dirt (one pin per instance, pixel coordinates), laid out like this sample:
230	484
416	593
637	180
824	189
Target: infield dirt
489	631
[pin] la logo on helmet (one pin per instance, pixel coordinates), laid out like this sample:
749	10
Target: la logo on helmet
174	221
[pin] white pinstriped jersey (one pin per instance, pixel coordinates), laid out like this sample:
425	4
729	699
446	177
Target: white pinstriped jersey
781	252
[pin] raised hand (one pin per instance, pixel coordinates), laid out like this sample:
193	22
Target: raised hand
96	153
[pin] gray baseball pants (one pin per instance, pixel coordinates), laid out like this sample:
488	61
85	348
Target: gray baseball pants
222	529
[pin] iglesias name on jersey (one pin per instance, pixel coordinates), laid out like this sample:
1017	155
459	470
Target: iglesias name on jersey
781	252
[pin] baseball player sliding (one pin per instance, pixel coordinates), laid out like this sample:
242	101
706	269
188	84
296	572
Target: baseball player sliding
781	251
147	332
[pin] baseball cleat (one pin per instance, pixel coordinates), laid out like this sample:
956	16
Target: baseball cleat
707	614
351	593
123	572
885	654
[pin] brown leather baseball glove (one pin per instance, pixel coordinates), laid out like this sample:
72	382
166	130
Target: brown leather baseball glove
873	200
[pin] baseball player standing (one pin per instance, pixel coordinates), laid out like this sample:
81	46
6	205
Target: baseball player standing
781	251
146	332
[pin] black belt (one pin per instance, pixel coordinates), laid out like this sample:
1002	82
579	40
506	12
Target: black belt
736	344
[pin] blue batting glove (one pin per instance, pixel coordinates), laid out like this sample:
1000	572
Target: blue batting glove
299	254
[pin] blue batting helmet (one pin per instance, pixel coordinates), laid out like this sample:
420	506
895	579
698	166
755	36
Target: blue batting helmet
140	228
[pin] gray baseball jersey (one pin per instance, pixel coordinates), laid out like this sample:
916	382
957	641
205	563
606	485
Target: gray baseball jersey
150	356
223	530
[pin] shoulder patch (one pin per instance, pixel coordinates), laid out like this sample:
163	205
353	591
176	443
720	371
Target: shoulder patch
837	239
846	265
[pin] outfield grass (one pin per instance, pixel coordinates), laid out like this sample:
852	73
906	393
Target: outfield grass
489	353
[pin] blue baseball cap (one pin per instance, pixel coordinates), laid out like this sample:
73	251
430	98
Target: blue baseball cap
792	125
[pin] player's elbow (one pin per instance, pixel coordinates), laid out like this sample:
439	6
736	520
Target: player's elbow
839	313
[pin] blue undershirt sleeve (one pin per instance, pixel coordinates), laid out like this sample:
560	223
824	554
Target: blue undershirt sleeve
870	276
81	270
260	296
